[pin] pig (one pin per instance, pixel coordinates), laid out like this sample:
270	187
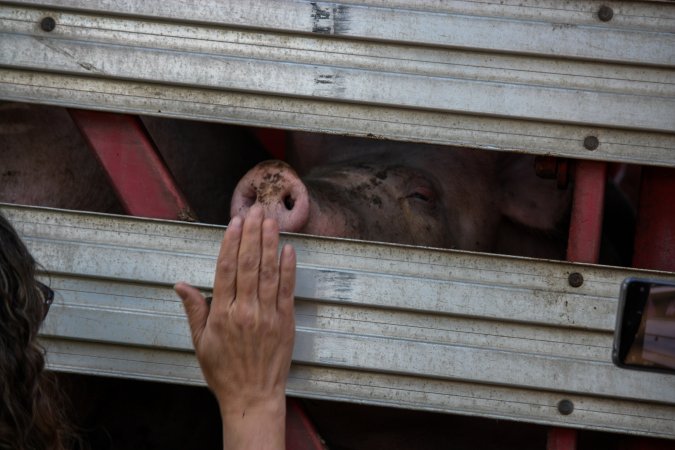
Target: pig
417	194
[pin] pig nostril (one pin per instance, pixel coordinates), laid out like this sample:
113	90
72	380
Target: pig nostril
289	203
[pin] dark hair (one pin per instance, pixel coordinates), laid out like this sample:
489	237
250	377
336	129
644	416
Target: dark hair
32	415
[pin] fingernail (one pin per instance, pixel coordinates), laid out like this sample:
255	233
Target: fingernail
288	250
270	224
180	294
235	222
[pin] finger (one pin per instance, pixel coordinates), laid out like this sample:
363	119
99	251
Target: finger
248	260
196	310
268	283
287	270
226	267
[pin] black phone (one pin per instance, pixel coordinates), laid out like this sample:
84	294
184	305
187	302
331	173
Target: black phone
644	338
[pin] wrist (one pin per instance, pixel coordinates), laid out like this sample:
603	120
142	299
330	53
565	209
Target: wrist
255	425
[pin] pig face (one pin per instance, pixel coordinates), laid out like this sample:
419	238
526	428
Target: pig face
393	203
414	194
356	200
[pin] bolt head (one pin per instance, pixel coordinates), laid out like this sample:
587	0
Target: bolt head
48	24
591	142
565	407
575	279
605	13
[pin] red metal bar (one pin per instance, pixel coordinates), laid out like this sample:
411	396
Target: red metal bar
141	180
586	221
300	431
585	235
655	231
561	439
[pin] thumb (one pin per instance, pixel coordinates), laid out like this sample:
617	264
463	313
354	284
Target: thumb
196	309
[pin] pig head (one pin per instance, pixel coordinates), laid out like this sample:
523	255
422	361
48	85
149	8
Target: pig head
410	194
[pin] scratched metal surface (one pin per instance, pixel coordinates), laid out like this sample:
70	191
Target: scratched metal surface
416	328
529	76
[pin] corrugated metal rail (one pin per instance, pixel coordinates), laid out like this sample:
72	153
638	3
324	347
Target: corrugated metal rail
533	76
440	330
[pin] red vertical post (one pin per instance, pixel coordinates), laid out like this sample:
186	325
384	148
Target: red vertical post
561	439
655	230
583	245
584	239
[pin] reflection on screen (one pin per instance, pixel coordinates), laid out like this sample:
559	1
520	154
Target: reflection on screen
654	343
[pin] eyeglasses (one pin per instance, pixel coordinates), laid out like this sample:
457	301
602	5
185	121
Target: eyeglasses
47	296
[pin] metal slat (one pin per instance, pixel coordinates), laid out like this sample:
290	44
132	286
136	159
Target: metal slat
412	85
441	27
343	84
391	325
416	126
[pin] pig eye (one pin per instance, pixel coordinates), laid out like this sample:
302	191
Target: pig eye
422	193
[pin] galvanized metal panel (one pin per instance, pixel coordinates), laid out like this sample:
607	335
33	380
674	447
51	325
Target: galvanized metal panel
384	324
538	78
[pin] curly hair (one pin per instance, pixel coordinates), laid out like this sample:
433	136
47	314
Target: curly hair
31	411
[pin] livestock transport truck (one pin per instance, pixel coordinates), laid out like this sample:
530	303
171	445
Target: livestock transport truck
397	346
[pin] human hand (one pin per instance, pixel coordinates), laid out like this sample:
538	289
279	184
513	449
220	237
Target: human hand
244	341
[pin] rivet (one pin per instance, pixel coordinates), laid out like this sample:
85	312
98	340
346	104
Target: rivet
591	142
565	407
48	24
605	13
575	279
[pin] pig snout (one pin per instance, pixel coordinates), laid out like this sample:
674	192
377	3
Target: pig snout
277	188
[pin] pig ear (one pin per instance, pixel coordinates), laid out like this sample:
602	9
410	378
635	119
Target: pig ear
528	199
